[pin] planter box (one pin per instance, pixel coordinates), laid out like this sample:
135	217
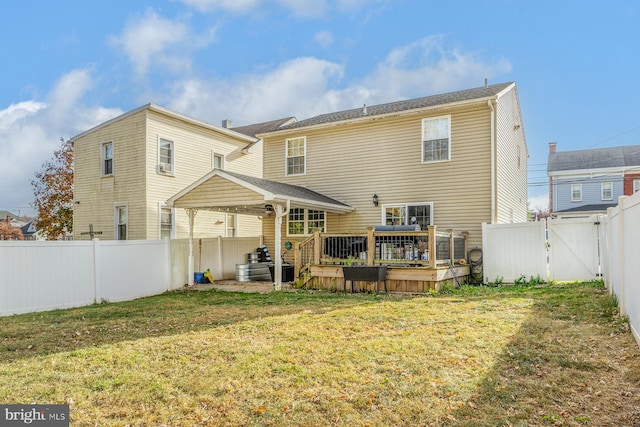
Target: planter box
376	273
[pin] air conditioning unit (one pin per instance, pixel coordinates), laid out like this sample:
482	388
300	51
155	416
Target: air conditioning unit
164	168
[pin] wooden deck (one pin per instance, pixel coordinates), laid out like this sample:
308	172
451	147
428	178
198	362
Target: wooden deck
400	279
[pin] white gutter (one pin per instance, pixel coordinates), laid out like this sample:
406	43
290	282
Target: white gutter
493	163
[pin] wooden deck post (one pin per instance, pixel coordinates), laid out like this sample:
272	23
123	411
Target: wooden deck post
432	246
371	246
465	236
317	242
296	259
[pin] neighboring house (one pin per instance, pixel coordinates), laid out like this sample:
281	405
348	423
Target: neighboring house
454	160
127	168
587	182
29	231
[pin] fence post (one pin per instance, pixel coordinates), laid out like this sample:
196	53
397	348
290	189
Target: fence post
432	246
97	291
371	246
621	254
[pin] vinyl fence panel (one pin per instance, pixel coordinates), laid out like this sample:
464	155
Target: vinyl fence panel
574	249
37	276
513	250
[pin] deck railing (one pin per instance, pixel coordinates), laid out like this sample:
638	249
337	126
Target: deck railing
417	248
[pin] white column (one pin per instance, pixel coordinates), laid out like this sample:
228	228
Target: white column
190	268
281	211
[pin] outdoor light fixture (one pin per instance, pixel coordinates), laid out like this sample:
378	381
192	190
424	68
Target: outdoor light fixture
375	200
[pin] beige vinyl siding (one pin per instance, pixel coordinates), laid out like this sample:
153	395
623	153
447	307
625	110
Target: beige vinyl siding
352	162
95	195
136	182
193	150
511	180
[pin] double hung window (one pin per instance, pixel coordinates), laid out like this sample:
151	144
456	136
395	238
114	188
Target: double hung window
165	156
305	221
607	190
296	156
436	139
107	158
576	192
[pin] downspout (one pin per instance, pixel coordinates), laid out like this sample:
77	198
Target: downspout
493	163
277	269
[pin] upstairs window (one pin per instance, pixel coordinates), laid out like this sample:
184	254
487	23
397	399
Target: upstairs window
296	156
302	222
107	158
636	185
217	161
607	190
436	138
121	222
165	156
576	192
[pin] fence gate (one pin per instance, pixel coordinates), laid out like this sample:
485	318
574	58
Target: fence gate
574	249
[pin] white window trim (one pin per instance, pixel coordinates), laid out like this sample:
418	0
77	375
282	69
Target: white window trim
306	223
226	225
116	206
636	185
172	165
578	199
103	158
610	190
215	154
286	156
448	159
383	217
172	234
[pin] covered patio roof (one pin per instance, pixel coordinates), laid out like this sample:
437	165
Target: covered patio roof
230	192
225	191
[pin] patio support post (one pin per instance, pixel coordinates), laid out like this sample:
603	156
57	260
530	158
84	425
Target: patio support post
452	245
281	211
192	215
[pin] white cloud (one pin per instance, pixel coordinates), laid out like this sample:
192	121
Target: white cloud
539	202
150	39
31	130
425	66
323	38
234	6
308	86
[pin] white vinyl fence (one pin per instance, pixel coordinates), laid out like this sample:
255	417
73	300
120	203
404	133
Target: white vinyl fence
622	225
512	250
47	275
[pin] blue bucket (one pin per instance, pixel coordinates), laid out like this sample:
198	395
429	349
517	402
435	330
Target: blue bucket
198	277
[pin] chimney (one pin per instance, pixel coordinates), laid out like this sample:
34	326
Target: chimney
226	123
552	147
364	110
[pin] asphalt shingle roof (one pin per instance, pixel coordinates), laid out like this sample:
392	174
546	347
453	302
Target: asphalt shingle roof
287	190
398	106
626	156
256	128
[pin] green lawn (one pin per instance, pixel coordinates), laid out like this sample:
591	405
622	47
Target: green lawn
547	355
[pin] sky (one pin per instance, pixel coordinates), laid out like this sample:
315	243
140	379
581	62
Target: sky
69	65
